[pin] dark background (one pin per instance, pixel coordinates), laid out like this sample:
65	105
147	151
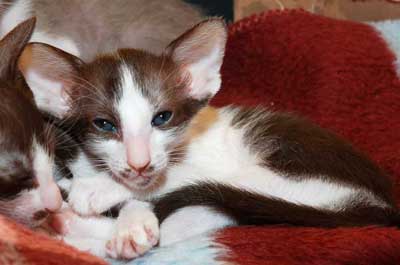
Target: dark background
222	8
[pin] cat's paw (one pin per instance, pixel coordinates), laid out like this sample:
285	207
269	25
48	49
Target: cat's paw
91	196
68	224
85	196
135	235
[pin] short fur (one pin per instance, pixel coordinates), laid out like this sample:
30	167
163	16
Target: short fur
27	189
269	167
248	208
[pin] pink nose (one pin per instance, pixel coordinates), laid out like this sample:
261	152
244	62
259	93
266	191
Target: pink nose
139	168
51	197
138	153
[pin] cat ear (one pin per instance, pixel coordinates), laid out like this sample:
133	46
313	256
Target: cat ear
12	45
51	74
199	52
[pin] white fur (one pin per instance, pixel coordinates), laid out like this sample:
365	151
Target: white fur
136	113
32	203
19	11
221	155
191	221
49	94
389	31
137	231
206	79
95	195
42	164
112	151
199	250
81	167
90	189
91	245
101	228
134	109
64	183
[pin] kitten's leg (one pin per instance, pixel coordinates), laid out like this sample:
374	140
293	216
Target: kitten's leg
191	221
94	195
84	233
69	224
137	231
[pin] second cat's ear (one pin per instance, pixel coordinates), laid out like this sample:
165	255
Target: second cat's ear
12	45
51	75
200	52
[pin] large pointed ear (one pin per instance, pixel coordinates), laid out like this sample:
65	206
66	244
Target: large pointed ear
51	75
200	52
12	45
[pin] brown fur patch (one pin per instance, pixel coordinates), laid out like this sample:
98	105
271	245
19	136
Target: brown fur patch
20	120
249	208
202	122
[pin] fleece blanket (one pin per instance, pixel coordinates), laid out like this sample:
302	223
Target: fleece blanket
342	75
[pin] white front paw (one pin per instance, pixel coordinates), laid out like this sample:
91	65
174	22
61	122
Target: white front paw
86	197
135	234
94	195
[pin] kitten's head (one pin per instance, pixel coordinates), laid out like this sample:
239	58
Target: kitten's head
27	188
131	108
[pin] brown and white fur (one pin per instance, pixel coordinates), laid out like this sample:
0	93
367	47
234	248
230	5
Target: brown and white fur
87	28
204	168
27	189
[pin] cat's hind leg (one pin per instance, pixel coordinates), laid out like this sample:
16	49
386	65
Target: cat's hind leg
191	221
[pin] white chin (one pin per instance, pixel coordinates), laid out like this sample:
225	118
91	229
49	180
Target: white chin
139	183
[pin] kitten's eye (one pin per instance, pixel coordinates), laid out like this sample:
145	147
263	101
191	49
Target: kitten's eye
161	118
105	125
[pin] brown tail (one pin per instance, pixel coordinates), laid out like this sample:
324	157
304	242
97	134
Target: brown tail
249	208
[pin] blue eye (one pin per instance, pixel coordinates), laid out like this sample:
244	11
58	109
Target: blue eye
105	125
161	118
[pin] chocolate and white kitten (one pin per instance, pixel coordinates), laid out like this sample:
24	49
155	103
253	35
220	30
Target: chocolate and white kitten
143	122
87	28
27	188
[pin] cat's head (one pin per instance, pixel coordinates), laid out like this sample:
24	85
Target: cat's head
27	188
130	109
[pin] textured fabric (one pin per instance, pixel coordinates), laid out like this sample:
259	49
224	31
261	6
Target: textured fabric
342	76
19	245
339	74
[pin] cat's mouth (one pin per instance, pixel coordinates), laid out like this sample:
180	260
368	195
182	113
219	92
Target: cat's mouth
136	181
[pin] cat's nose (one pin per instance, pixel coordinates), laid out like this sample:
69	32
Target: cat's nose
50	196
138	153
139	168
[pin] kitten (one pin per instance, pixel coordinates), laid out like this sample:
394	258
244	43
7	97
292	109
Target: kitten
143	121
27	189
87	28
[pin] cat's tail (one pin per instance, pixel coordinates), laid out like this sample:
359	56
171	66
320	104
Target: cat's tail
249	208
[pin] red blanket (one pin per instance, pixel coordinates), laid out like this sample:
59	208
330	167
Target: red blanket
340	74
